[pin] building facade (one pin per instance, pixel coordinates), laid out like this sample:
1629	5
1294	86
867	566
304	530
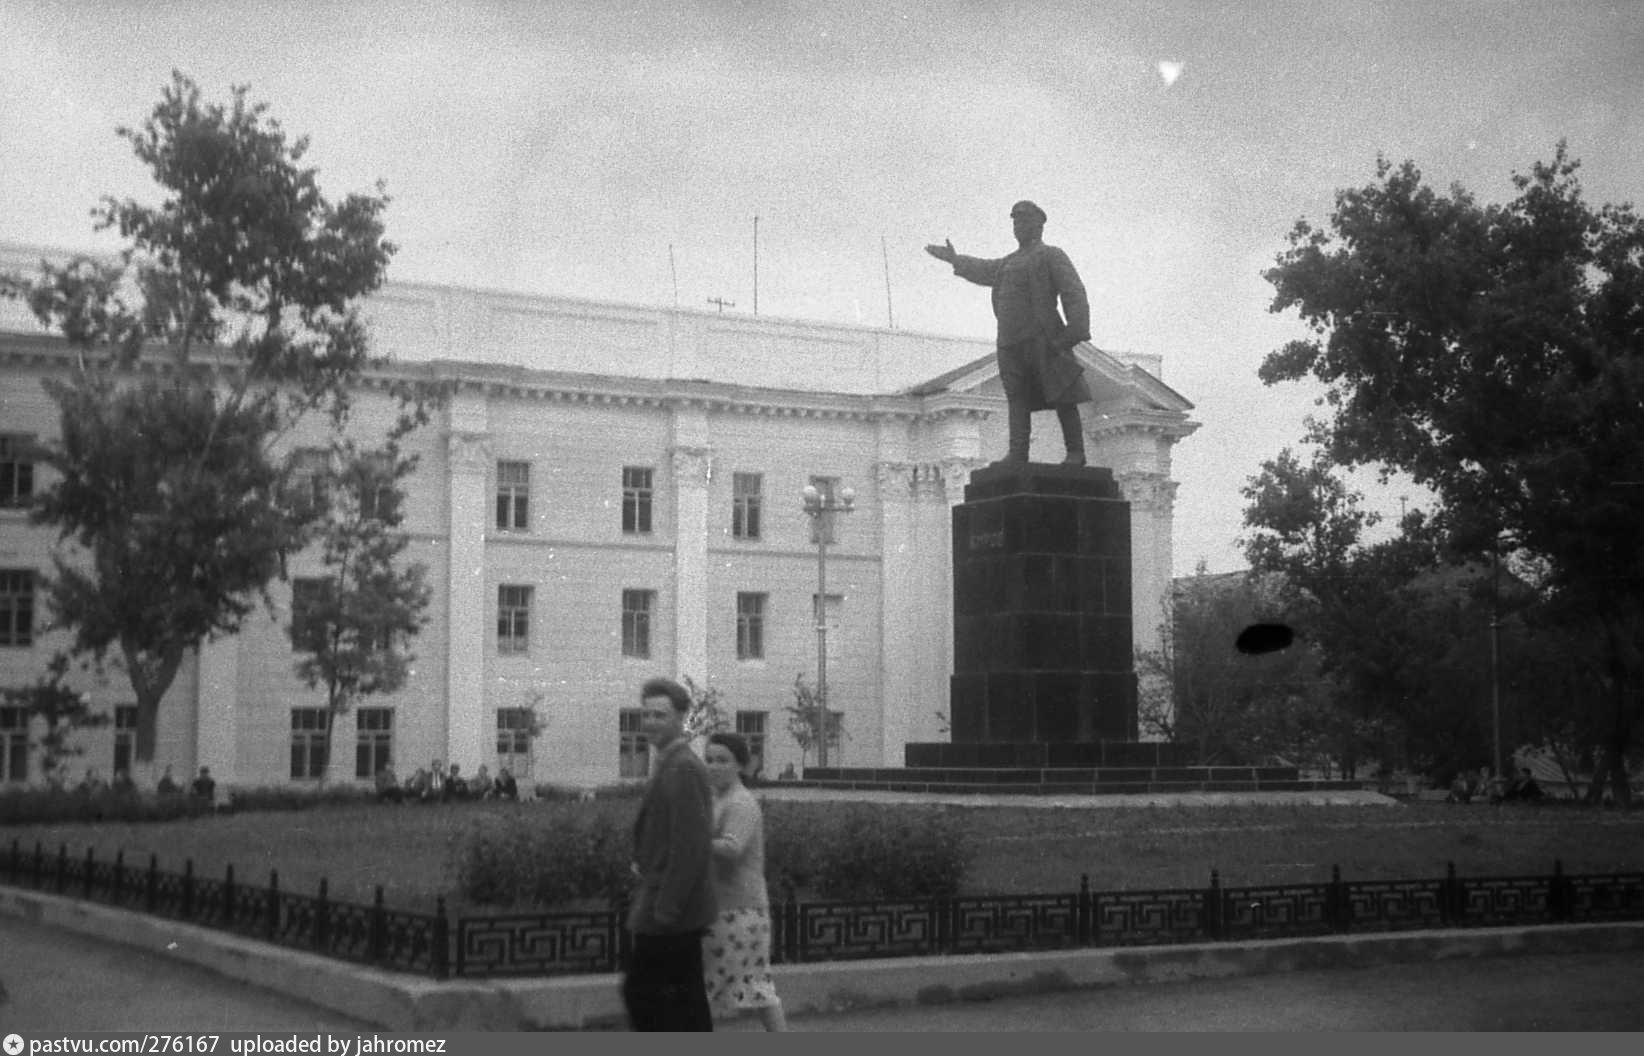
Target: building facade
612	492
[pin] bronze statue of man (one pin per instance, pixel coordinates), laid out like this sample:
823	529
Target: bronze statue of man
1035	348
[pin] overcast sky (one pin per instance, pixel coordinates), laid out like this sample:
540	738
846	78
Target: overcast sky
561	148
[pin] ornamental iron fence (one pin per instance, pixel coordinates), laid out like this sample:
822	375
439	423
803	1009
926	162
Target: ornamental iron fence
546	944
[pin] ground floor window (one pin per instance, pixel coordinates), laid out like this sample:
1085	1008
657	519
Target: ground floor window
308	743
751	725
14	744
374	744
633	756
514	742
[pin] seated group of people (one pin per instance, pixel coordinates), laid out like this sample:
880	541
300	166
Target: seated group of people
93	784
436	784
1466	785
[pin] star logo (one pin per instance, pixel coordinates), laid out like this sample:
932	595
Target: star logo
13	1044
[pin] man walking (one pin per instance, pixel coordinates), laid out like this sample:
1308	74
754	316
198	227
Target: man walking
673	903
1035	346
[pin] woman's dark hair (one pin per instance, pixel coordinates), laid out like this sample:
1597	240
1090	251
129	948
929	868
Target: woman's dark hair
737	745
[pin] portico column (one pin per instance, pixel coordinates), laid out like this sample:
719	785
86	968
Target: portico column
468	458
1152	498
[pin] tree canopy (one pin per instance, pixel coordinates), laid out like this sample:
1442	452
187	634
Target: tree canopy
230	316
1495	353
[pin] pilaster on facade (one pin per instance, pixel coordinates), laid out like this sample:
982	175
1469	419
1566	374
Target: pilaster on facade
216	728
468	455
693	472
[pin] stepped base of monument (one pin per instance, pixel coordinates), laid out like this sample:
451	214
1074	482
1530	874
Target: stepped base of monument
1092	781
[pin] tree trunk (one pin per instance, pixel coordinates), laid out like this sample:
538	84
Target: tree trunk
150	679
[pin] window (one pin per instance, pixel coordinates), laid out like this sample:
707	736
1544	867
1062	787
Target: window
636	500
514	741
14	744
514	496
376	495
750	626
633	758
308	743
836	729
125	737
16	470
751	725
309	598
828	488
374	741
16	606
310	474
745	489
513	619
829	616
636	622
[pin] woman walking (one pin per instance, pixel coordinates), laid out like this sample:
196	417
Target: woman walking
736	952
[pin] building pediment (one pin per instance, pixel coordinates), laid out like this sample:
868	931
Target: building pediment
1117	382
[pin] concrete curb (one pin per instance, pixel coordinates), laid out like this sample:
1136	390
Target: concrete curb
407	1003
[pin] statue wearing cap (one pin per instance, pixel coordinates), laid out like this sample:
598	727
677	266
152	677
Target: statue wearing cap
1035	347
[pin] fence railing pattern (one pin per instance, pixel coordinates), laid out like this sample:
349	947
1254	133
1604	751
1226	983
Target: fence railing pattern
545	944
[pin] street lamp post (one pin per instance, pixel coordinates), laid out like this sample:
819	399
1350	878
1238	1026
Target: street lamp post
820	509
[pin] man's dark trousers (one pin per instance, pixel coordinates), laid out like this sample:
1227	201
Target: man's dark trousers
664	988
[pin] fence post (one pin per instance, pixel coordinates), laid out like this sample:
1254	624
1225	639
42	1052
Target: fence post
322	916
119	876
85	881
790	928
379	927
441	951
273	920
151	888
1083	916
1453	900
188	890
941	910
1559	900
1213	915
1339	908
228	898
62	868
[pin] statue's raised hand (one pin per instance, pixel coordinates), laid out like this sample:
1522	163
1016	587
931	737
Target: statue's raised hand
943	252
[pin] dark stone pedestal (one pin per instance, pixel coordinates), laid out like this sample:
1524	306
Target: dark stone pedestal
1041	608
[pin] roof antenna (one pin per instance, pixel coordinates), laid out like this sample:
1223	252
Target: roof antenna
890	310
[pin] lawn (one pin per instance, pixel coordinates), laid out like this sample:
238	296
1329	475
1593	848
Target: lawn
409	849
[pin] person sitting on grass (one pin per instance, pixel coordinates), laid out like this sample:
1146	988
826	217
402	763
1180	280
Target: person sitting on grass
388	786
123	784
416	786
1524	786
434	791
1461	789
168	785
204	787
456	787
506	787
480	787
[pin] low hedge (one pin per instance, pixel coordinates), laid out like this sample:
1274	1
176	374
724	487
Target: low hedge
565	855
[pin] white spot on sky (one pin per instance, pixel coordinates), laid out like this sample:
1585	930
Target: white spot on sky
1169	71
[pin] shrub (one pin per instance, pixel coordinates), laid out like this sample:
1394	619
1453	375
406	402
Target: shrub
546	856
296	797
39	806
863	851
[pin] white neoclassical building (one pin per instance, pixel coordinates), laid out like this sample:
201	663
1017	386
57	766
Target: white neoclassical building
613	492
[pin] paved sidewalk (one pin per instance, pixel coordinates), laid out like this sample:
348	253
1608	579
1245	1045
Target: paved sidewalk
1344	798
